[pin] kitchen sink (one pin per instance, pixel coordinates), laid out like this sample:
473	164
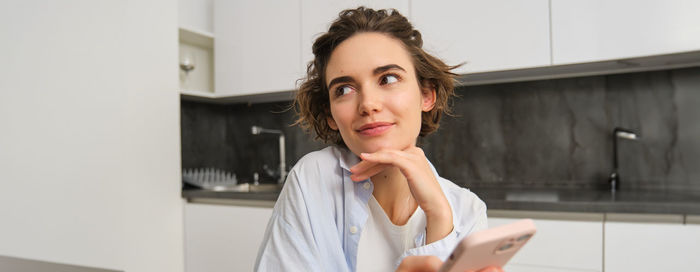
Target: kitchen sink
265	188
533	196
248	188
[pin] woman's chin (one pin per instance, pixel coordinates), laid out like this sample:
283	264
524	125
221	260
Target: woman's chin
374	147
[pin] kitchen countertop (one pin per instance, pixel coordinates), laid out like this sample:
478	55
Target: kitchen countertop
595	201
555	200
26	265
204	194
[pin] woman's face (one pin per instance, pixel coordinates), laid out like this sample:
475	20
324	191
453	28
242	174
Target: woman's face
376	101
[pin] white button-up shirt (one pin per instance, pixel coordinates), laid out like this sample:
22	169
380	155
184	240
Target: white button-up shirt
319	215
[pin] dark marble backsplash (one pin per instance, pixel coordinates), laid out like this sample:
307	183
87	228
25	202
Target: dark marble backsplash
544	134
219	136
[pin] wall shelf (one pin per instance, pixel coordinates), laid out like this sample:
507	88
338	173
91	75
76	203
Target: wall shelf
196	37
229	99
198	45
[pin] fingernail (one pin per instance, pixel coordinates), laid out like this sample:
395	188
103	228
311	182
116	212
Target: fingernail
365	154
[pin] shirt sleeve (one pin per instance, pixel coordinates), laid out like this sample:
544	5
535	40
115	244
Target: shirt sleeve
288	243
472	219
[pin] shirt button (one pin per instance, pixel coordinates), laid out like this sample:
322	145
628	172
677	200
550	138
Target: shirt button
366	185
353	229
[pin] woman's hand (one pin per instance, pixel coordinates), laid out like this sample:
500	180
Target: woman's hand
419	264
421	181
430	264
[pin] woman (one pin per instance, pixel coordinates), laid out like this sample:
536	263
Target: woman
372	201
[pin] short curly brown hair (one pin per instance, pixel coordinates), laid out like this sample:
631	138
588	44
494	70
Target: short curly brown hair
312	102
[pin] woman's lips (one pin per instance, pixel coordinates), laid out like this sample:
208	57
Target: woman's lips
374	129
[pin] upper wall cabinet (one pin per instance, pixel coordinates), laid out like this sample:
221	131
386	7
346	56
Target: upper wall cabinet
317	16
196	47
257	46
595	30
196	15
485	35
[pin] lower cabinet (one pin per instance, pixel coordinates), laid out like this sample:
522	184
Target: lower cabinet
227	238
559	245
223	237
651	246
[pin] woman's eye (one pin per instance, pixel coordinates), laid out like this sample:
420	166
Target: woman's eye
343	90
388	79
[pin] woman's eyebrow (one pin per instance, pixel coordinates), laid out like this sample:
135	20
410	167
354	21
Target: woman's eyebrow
342	79
378	70
382	69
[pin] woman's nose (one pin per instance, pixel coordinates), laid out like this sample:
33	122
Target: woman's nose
370	101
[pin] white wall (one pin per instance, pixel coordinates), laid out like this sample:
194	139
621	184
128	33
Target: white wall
89	133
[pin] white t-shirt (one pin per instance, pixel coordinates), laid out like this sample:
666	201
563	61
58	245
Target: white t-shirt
382	242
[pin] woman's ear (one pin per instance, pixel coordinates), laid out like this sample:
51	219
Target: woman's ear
429	98
331	123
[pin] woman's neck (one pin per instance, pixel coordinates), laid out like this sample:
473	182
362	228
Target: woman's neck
393	195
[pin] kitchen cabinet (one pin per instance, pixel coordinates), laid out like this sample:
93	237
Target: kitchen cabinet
196	15
559	245
257	46
633	246
486	35
262	48
317	16
596	30
227	237
223	237
196	47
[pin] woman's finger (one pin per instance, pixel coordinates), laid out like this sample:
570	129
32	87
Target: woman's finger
362	166
491	269
419	264
365	173
383	157
397	158
413	166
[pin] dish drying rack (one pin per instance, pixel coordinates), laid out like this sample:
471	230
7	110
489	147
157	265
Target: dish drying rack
210	179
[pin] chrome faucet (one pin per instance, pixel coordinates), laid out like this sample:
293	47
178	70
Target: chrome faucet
614	179
256	130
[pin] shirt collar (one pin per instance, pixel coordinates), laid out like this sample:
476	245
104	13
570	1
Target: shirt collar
346	157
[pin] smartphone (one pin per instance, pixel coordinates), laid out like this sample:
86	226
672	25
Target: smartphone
490	247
